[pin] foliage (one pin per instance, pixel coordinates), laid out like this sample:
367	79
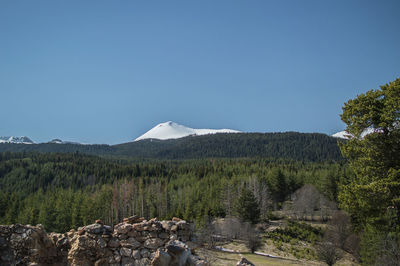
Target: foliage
374	158
372	196
289	145
64	191
295	231
246	207
328	253
379	247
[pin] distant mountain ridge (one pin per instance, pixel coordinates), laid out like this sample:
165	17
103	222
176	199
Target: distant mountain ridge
172	130
286	145
59	141
16	140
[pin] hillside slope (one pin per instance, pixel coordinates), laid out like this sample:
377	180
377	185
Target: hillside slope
288	145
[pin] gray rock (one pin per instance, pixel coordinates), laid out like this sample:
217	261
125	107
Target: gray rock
130	243
153	243
113	243
3	242
167	225
127	261
126	252
196	261
179	252
95	229
123	228
122	237
136	255
163	235
177	243
144	253
142	262
101	243
108	228
161	258
244	262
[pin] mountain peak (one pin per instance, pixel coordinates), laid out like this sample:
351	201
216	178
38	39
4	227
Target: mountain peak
19	140
172	130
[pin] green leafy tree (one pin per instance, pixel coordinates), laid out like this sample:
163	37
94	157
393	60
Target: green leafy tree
247	207
372	196
375	157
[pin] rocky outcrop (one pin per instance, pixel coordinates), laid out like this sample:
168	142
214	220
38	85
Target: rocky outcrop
244	262
135	241
28	245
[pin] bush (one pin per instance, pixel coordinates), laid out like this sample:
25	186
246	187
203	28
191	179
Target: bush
296	231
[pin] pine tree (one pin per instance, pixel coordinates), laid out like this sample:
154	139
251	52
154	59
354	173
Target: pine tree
246	207
372	197
374	158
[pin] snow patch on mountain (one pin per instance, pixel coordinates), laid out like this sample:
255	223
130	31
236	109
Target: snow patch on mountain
59	141
18	140
172	130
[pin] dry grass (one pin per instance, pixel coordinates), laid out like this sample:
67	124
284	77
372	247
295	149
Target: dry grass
222	258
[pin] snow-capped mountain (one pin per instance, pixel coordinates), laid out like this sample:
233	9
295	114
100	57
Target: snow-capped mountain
56	141
171	130
19	140
59	141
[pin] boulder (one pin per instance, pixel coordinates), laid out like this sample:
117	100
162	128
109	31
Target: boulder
167	225
136	255
125	252
161	258
25	244
179	254
123	228
153	243
244	262
113	242
133	219
196	261
130	243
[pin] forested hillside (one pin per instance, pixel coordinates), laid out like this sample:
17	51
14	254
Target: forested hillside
63	191
289	145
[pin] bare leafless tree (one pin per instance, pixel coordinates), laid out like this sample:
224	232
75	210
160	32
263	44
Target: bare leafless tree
207	235
229	227
251	237
328	252
339	229
339	232
307	200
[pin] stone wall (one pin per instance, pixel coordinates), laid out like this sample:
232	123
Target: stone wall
136	241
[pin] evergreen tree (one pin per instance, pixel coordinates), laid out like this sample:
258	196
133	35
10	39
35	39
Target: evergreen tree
246	207
374	158
373	196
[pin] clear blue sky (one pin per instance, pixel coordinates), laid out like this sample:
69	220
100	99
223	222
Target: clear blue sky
107	71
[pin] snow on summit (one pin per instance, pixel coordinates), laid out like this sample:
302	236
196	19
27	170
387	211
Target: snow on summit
172	130
18	140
